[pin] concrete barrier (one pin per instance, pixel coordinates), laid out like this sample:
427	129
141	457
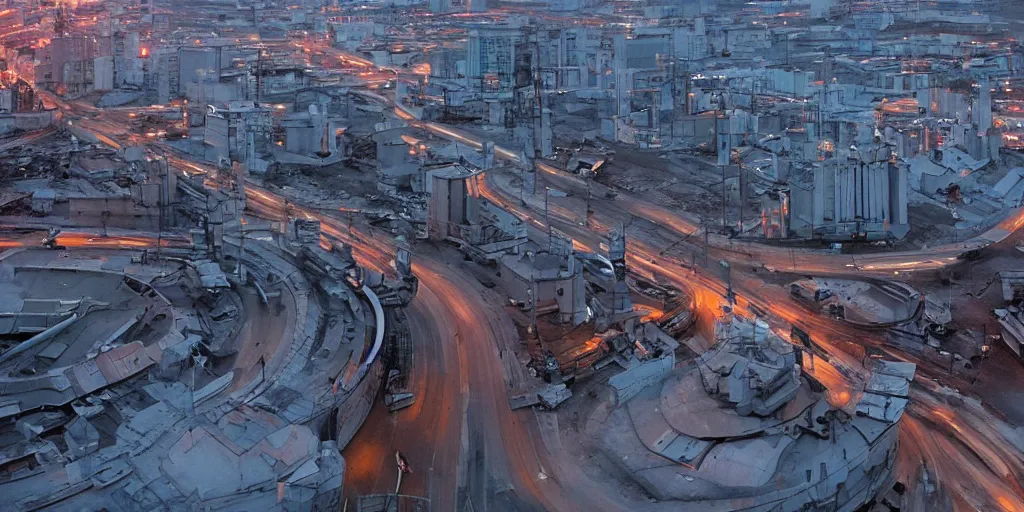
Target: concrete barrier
28	121
378	338
39	338
632	381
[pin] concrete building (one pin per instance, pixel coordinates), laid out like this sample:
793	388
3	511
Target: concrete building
353	31
691	42
237	132
456	212
16	96
789	82
439	6
398	159
982	111
746	429
450	6
103	73
575	58
547	280
861	195
315	134
643	85
565	5
196	65
66	64
164	83
822	8
281	81
652	74
215	92
129	57
142	354
491	54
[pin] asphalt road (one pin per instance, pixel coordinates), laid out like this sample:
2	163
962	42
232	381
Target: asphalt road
428	432
462	425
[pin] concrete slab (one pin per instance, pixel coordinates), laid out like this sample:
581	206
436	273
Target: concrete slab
745	463
197	462
52	351
888	385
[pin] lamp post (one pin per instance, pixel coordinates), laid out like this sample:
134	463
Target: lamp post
586	211
547	220
720	113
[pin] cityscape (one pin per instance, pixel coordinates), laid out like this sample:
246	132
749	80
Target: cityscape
512	255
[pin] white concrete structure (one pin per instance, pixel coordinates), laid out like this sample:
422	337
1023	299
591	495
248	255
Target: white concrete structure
103	73
861	196
315	133
237	132
491	54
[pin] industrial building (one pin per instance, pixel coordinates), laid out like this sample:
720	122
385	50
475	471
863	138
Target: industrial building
746	427
237	132
491	54
862	196
457	213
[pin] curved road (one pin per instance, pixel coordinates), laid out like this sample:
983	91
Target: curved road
467	448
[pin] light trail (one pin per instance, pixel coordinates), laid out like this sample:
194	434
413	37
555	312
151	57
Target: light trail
94	241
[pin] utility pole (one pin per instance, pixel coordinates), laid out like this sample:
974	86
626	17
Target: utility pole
743	194
823	95
533	302
724	195
686	87
522	186
719	116
240	191
547	218
284	217
538	91
162	199
730	296
586	211
259	73
160	214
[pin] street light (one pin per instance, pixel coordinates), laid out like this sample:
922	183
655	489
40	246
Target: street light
586	211
548	193
718	100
